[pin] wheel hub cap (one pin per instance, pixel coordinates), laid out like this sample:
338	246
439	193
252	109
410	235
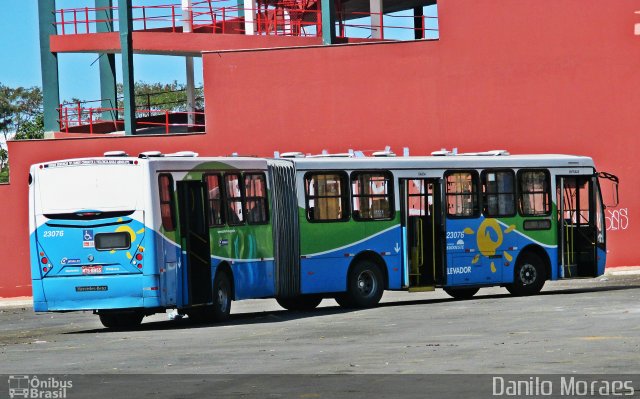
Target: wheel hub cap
528	274
366	283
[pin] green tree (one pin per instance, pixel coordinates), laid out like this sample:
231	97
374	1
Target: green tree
162	96
4	157
31	129
21	117
4	165
17	107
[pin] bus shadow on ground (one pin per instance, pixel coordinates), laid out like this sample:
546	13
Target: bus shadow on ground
554	292
280	316
273	316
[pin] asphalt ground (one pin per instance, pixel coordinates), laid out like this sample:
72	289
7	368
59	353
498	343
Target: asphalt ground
578	326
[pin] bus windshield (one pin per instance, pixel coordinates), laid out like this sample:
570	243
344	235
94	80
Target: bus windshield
91	187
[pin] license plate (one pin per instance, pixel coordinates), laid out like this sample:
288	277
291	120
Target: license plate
91	269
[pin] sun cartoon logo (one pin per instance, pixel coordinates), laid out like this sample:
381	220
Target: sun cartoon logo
131	233
489	238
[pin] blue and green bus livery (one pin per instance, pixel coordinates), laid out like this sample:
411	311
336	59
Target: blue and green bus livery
127	237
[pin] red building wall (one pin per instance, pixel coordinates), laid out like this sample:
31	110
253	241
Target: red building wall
15	277
527	76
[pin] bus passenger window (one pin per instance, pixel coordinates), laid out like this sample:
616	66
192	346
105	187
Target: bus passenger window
234	199
216	216
326	197
372	195
165	187
534	194
498	188
462	194
255	194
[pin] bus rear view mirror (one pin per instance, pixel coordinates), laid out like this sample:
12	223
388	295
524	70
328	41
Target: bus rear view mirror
609	190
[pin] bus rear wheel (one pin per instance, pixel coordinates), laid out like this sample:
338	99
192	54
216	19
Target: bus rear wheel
121	320
221	297
302	303
461	293
365	285
529	275
220	309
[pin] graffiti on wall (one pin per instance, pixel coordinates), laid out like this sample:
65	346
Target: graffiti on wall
617	219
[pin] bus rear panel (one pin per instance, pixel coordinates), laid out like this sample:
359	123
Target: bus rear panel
90	248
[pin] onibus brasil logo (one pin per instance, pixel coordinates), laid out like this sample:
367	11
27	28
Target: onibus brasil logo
24	386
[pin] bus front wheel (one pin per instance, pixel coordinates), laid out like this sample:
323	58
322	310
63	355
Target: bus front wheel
365	285
529	275
461	293
302	303
121	320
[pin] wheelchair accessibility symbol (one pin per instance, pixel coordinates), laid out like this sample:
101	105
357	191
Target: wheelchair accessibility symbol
87	238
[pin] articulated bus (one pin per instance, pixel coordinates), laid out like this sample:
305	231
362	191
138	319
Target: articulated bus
127	237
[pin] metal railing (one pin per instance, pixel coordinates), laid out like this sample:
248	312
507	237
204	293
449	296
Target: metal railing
202	17
91	120
284	18
85	116
391	26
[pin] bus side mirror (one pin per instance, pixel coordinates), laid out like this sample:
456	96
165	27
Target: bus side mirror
609	190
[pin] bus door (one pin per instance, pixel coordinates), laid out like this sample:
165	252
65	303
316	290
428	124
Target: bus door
422	218
577	225
194	232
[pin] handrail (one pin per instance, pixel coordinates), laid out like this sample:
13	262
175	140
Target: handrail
89	118
146	104
281	18
201	17
351	22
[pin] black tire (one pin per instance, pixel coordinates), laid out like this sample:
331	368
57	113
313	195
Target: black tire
221	307
221	297
121	320
302	303
365	286
461	293
529	275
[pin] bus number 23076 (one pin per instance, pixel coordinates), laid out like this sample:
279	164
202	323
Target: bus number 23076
53	233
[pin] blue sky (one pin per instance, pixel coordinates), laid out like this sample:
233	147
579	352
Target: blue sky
20	65
78	73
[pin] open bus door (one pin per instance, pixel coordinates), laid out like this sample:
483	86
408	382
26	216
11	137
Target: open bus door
194	232
423	221
580	226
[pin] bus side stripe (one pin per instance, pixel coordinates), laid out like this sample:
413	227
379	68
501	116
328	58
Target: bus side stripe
236	260
529	238
354	243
